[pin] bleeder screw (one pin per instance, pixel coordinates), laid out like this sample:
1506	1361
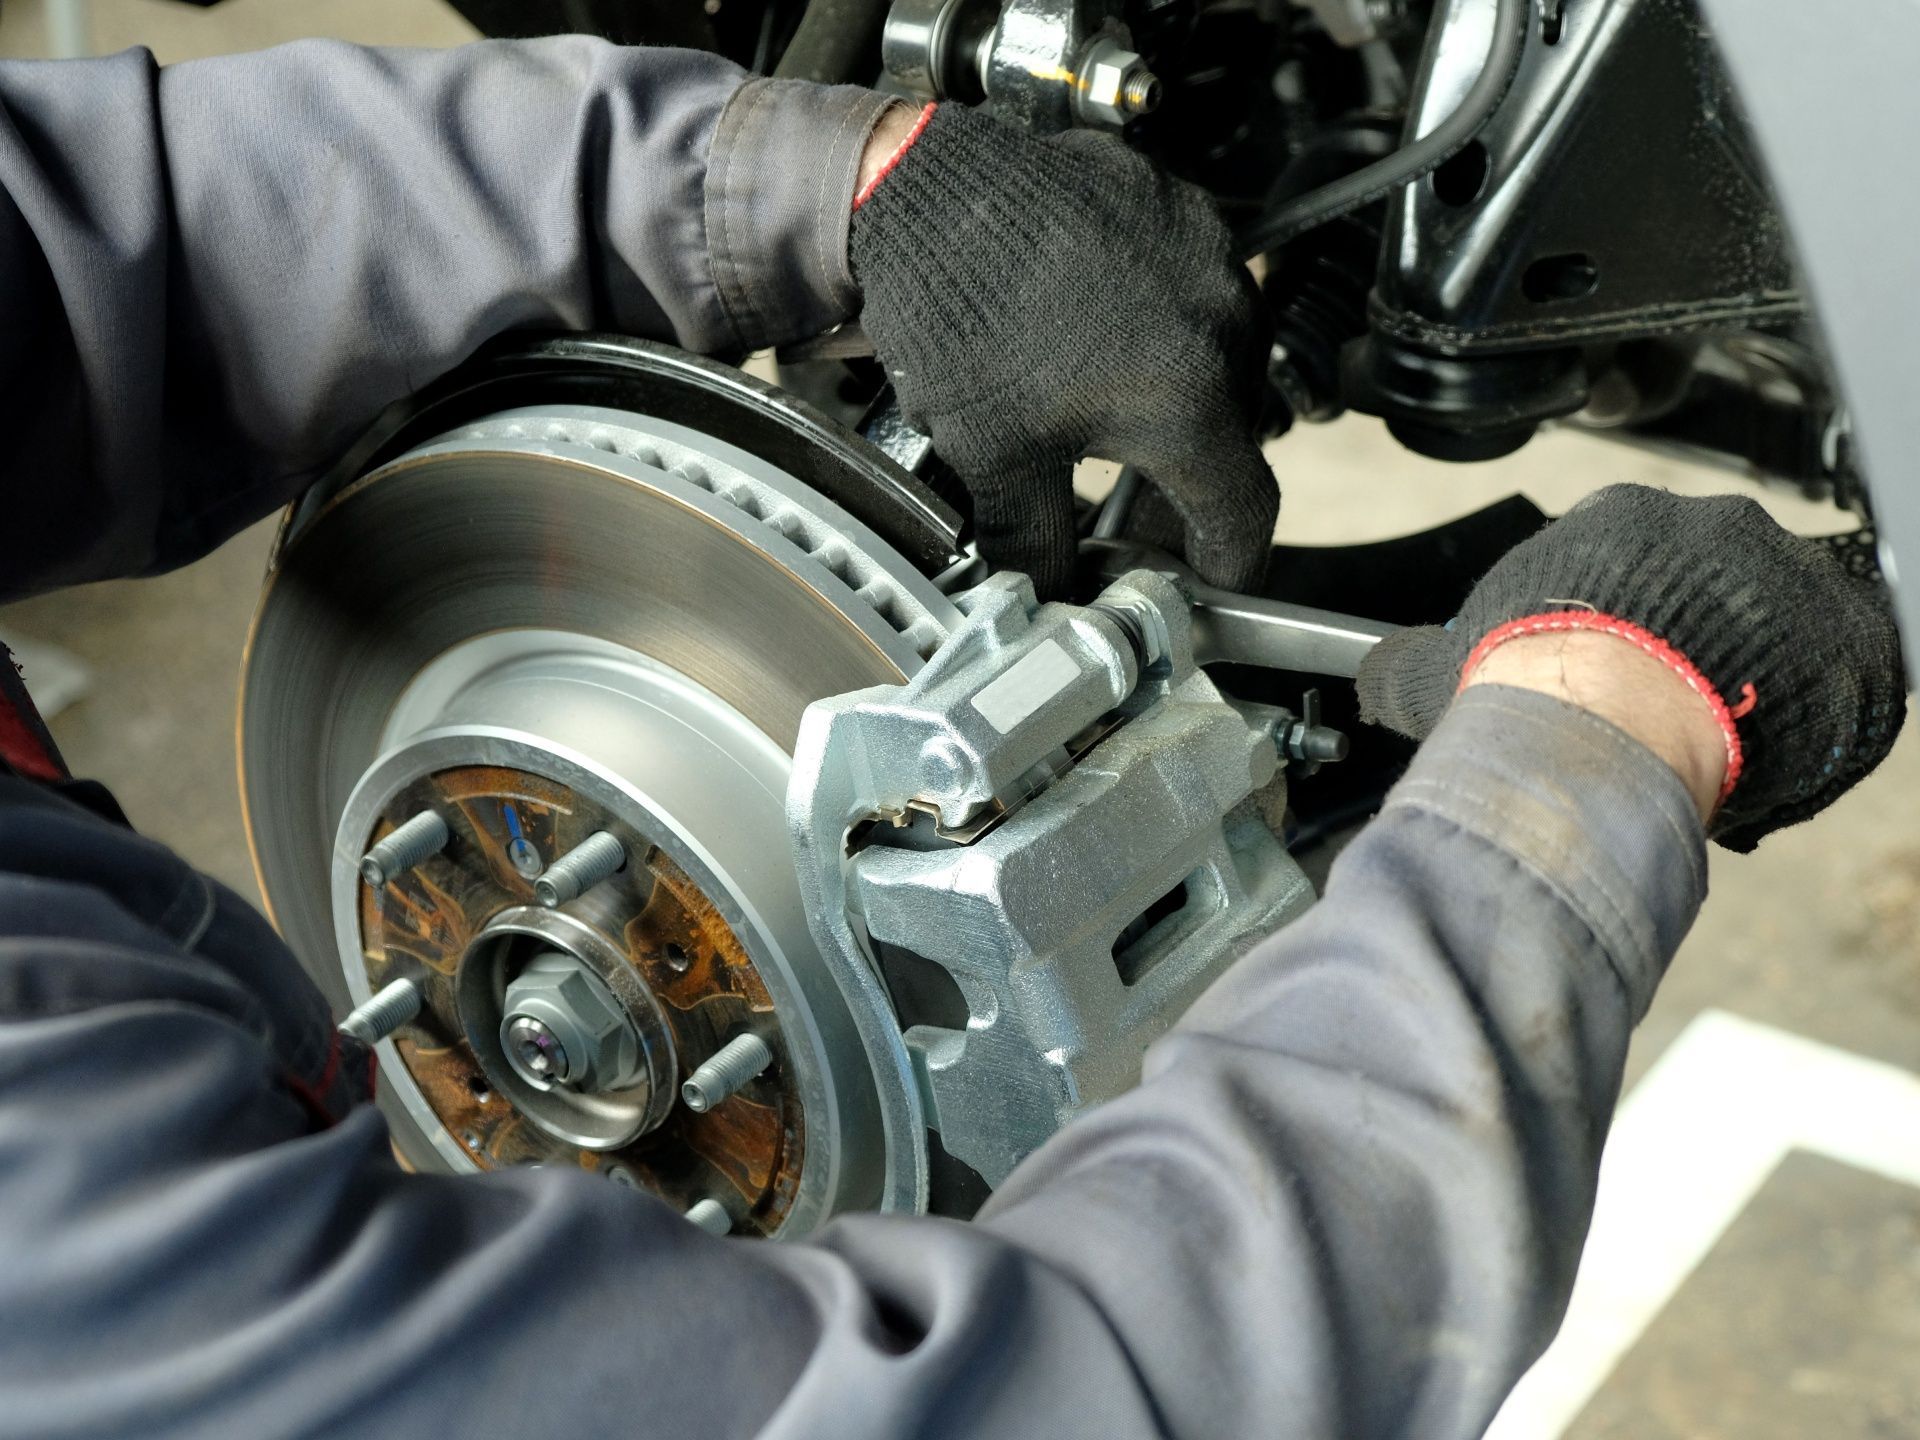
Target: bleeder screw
1305	741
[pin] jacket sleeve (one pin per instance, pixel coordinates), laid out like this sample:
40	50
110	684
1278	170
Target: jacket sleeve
213	276
1347	1200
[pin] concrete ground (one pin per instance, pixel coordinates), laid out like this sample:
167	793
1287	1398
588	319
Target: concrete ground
1802	1315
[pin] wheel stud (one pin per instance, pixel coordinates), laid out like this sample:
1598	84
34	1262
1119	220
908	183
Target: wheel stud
403	848
385	1013
711	1216
725	1071
580	869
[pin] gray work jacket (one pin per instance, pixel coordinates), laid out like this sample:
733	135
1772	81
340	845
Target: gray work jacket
1347	1200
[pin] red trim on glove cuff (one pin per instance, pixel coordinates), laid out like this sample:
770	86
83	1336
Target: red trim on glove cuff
25	743
886	166
1646	640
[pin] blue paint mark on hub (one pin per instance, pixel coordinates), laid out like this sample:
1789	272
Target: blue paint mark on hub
524	854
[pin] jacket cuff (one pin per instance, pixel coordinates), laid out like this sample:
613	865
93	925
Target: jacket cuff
1599	818
780	183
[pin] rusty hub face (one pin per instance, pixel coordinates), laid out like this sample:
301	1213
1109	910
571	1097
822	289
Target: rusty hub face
698	937
664	943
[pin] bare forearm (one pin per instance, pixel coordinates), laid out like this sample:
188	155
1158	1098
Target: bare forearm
1617	681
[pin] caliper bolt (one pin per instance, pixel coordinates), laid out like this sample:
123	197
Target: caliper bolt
403	848
385	1013
536	1051
580	869
711	1216
725	1071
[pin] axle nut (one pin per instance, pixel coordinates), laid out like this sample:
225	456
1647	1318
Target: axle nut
561	1025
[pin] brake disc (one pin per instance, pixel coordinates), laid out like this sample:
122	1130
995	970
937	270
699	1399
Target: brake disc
565	624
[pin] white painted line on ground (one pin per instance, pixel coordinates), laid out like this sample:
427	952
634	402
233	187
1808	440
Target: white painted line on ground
1691	1145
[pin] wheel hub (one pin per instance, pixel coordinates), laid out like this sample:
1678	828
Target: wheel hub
548	629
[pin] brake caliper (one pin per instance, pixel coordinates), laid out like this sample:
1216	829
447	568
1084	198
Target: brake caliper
1041	848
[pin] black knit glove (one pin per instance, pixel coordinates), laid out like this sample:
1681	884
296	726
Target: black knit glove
1038	299
1799	659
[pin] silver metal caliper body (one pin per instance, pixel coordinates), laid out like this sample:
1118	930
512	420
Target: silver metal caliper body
1064	814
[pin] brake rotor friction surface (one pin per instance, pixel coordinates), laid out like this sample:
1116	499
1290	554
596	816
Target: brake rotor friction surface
421	924
683	554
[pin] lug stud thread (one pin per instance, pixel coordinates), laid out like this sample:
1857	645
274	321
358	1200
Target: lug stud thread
385	1013
403	848
711	1216
725	1071
580	869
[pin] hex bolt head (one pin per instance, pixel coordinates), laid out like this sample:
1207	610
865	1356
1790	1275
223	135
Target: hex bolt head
385	1013
403	848
725	1071
580	869
711	1216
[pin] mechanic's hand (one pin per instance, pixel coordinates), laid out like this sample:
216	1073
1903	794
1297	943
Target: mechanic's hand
1037	299
1797	661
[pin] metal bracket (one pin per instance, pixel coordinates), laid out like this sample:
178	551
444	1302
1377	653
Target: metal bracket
1059	813
1043	65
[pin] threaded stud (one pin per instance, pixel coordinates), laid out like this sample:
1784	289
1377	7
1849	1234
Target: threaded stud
1140	95
711	1216
385	1013
403	848
580	869
725	1071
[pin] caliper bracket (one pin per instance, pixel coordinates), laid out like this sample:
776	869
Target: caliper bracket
1124	877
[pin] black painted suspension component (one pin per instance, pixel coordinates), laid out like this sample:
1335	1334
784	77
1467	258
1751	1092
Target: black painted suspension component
1317	287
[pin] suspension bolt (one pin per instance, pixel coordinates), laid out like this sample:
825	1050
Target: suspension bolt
385	1013
711	1216
580	869
725	1071
1113	86
403	848
1140	94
